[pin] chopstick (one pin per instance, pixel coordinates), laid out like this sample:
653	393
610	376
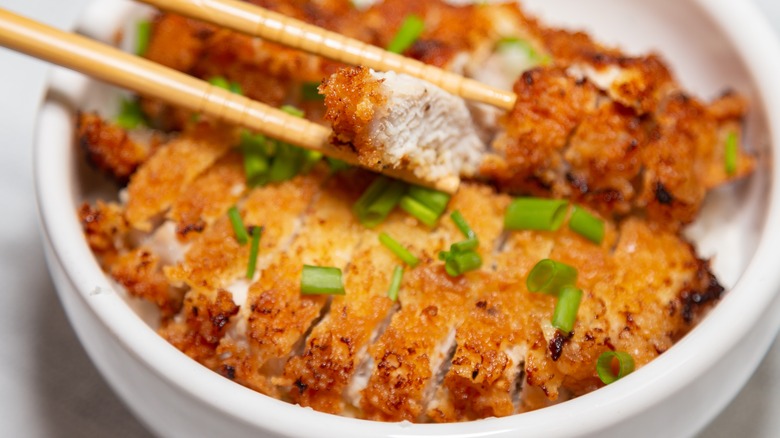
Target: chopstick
256	21
137	74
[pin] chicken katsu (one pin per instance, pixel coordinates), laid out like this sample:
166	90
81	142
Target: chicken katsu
335	288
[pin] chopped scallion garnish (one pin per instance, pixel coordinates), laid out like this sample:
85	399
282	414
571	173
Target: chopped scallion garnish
310	91
395	283
310	159
458	263
130	115
336	165
605	369
286	163
465	245
587	225
318	280
221	82
399	250
435	200
535	214
254	250
242	237
410	30
235	88
143	33
513	43
419	211
566	308
379	199
256	169
254	148
462	225
731	154
549	276
293	111
462	256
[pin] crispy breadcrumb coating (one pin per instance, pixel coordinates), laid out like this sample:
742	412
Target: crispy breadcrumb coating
610	132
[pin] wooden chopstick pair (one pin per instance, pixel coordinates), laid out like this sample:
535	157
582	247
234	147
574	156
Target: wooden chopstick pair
140	75
272	26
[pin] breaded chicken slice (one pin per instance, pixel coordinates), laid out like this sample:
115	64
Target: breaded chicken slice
276	314
215	259
113	149
208	197
215	265
564	138
156	185
396	121
411	356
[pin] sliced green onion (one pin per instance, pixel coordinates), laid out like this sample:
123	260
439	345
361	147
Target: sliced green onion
242	237
419	211
514	43
310	91
221	82
293	111
462	225
310	159
235	88
256	161
371	194
399	250
317	280
130	115
549	276
254	250
395	283
407	34
251	142
566	308
535	214
732	153
143	33
604	366
458	263
286	164
465	245
462	256
336	165
587	225
435	200
378	201
256	169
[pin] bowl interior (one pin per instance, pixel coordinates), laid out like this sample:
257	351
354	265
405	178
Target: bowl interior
701	55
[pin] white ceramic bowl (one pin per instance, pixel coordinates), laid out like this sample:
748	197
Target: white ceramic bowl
710	44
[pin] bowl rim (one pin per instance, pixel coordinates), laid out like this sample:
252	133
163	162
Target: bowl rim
676	368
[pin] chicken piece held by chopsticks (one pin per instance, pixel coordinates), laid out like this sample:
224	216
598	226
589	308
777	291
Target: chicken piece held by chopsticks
396	121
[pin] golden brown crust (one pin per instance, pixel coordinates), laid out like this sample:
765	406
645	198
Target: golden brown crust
454	349
110	148
205	322
644	80
139	272
154	188
277	314
209	196
215	258
352	96
550	105
105	228
564	138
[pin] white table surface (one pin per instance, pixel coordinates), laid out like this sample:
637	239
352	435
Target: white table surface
48	386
